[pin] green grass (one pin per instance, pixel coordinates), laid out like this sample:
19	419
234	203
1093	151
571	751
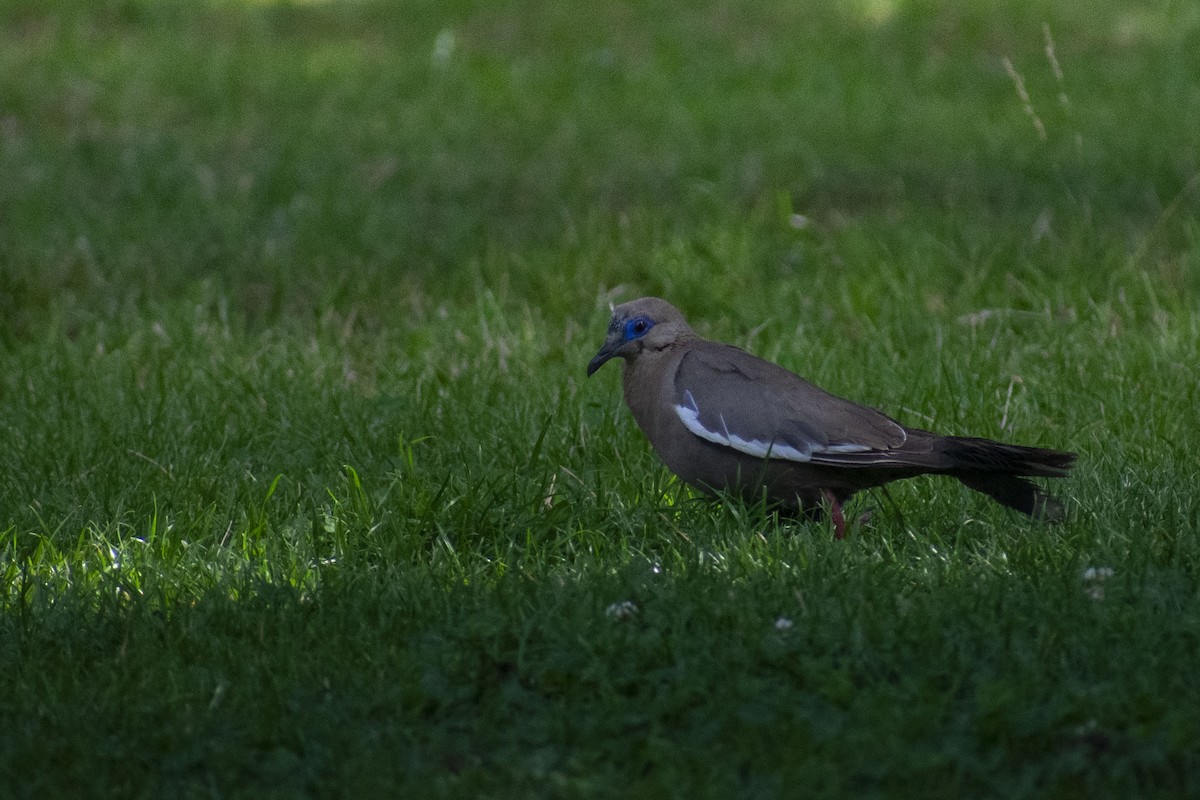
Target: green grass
303	492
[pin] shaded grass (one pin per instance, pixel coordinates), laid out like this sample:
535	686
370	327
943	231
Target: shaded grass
305	494
523	679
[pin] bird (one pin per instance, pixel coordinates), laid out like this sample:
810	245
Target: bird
727	422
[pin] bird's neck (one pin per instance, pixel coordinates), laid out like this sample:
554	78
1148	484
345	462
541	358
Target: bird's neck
649	381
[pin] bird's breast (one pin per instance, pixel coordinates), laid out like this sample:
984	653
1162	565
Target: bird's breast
649	387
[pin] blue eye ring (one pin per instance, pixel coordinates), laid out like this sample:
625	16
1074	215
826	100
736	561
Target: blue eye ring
637	327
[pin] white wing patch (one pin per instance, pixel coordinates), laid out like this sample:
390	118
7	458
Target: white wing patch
689	415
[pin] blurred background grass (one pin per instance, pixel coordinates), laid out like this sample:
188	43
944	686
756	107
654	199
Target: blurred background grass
373	157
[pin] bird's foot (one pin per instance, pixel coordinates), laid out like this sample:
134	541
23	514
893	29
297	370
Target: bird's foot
835	512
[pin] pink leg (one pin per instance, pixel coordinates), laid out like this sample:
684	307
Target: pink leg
835	511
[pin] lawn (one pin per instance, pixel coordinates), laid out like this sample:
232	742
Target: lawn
303	491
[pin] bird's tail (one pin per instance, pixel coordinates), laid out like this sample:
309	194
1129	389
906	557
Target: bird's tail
999	471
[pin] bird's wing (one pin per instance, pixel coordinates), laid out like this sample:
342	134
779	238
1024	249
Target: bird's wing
731	398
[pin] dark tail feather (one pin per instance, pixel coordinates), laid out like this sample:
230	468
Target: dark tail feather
1014	492
998	470
985	455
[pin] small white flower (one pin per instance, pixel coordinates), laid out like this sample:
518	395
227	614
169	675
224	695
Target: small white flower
622	610
1095	577
443	47
783	624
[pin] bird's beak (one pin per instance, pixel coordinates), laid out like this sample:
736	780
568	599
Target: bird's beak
608	351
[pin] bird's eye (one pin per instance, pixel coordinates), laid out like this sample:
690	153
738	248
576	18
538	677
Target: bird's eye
636	328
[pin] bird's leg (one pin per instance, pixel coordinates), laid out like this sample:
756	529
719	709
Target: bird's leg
835	511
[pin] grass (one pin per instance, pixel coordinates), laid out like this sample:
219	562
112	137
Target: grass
303	491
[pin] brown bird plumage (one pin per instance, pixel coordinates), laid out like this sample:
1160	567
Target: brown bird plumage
725	420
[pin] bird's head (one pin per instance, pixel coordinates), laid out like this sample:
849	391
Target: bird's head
639	324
